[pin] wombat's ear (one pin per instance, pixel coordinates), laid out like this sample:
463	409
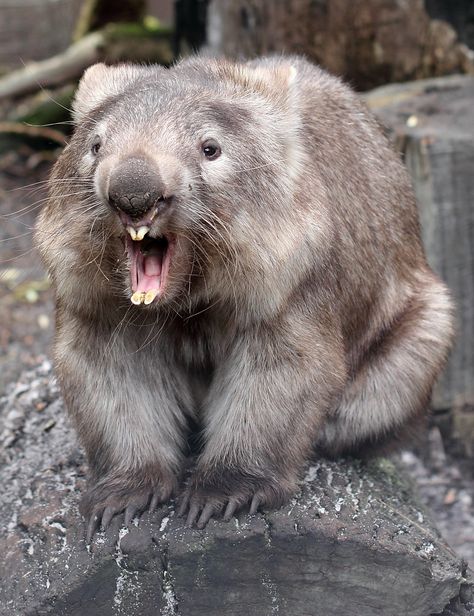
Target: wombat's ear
272	78
101	82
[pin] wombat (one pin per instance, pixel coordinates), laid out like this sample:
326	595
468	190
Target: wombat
234	247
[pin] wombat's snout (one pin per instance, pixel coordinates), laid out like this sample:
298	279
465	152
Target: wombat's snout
135	187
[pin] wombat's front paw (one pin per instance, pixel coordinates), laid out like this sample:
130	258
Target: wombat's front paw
106	499
210	494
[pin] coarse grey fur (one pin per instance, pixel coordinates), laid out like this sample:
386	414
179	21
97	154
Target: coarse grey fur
299	310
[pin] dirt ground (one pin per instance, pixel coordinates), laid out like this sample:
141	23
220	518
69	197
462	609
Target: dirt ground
446	483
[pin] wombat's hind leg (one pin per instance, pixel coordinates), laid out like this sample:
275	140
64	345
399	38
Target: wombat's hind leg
393	385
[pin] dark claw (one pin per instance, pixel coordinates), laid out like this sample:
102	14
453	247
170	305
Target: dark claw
230	509
156	499
184	505
192	515
93	526
130	512
107	516
206	515
254	505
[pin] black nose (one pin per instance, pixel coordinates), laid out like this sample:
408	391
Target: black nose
135	187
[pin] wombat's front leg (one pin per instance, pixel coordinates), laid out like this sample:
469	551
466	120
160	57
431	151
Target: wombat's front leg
129	409
262	415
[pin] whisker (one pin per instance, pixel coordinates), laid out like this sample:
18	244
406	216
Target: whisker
270	164
46	182
16	237
33	206
156	336
203	310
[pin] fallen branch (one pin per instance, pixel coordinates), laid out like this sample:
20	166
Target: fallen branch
115	43
53	71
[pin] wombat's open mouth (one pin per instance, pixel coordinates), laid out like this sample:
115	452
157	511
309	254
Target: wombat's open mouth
149	265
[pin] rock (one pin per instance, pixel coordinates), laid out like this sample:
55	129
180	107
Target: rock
432	123
355	540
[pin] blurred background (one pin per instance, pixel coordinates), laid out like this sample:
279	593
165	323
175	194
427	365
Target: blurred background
411	60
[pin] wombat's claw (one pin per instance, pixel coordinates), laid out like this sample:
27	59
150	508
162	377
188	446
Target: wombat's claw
201	515
130	512
231	508
257	500
133	505
183	507
101	518
209	510
200	511
226	494
93	526
156	499
107	516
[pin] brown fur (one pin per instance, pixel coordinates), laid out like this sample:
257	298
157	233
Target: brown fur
299	310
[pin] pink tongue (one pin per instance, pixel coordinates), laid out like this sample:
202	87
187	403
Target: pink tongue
152	265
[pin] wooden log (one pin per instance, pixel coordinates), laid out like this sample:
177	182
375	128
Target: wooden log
354	541
432	123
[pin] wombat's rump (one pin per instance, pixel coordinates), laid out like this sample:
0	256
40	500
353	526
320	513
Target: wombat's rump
234	246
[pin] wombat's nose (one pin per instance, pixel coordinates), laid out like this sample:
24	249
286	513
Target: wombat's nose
135	187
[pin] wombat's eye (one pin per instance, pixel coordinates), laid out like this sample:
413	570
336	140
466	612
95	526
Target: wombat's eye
96	146
211	149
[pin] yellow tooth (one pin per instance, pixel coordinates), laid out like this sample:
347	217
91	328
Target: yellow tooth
140	234
133	233
137	298
150	295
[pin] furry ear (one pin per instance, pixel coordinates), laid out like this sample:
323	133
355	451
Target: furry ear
101	82
268	75
271	77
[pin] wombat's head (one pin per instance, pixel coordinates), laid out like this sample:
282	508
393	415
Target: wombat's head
177	182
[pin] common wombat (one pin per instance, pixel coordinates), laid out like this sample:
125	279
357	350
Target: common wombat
233	245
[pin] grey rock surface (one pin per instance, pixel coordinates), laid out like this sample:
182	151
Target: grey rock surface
354	541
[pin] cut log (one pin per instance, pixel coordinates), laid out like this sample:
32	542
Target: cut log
354	541
432	123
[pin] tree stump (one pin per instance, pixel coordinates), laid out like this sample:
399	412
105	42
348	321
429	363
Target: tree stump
354	541
432	123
